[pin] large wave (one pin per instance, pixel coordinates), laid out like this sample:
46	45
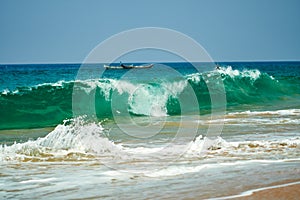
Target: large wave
49	104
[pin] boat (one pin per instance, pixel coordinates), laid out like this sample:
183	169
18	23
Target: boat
122	66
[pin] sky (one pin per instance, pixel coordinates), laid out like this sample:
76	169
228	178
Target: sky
65	31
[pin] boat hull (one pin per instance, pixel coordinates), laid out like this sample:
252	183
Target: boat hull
128	67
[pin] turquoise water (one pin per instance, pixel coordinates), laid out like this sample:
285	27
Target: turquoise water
78	131
34	96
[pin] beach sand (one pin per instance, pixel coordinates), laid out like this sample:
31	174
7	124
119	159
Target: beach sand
289	192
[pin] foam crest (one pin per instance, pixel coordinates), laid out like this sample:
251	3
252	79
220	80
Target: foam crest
56	84
226	72
252	74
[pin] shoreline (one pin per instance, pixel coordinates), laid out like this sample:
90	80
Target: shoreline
285	190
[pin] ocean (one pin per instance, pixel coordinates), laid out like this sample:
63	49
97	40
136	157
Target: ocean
173	131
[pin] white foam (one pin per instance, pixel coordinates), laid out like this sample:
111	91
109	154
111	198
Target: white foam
74	136
201	145
277	112
29	88
77	136
196	77
264	149
175	88
176	170
142	150
56	84
38	180
255	121
5	92
124	87
182	168
152	100
252	74
148	100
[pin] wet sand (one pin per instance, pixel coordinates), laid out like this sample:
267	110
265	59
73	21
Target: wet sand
288	192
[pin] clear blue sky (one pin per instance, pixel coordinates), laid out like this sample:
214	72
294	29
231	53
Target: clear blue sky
51	31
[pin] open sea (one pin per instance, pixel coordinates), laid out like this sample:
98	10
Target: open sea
173	131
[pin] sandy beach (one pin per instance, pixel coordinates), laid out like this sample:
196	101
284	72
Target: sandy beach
287	190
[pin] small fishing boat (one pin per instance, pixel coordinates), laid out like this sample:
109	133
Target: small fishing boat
122	66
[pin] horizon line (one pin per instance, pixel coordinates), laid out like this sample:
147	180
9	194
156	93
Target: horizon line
218	61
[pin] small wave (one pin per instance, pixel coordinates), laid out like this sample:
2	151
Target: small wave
245	150
74	140
79	140
220	153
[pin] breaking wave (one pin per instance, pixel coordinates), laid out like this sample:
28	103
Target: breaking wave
49	104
